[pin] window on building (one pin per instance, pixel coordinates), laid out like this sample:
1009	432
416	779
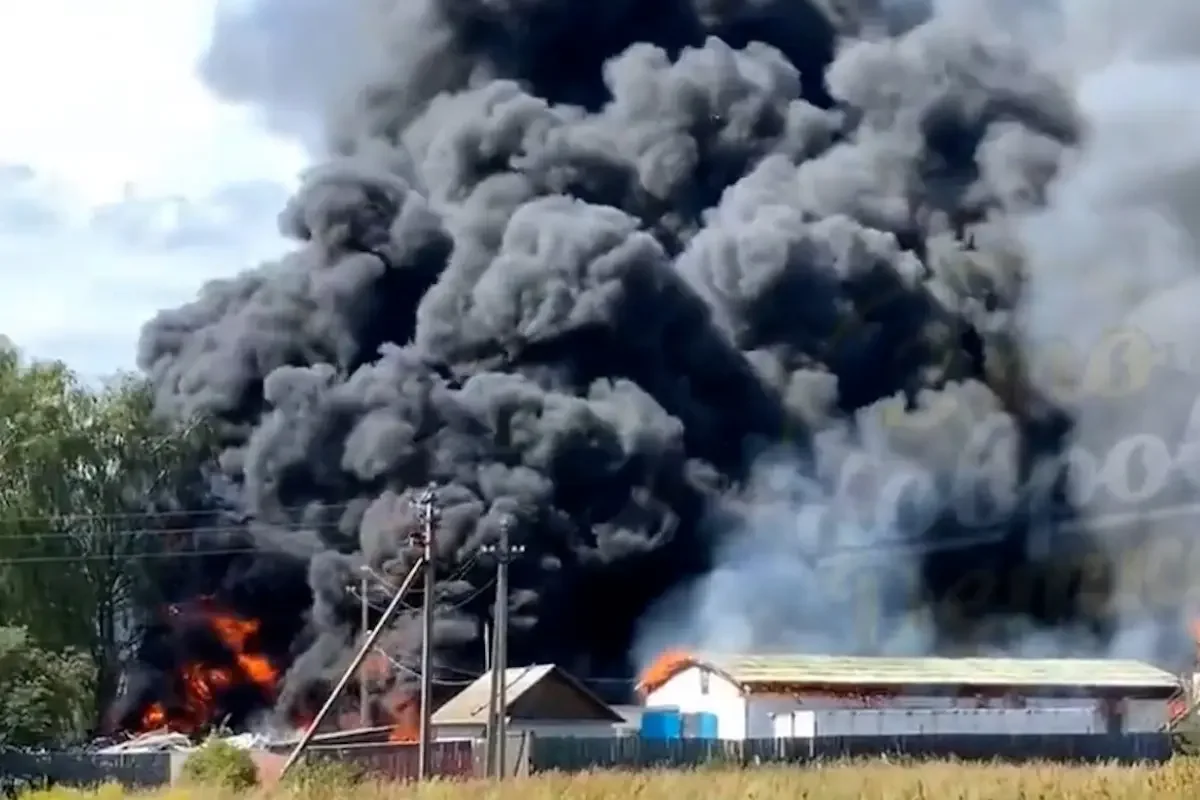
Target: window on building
703	681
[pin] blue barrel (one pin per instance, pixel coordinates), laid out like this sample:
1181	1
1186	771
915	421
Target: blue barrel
662	723
706	725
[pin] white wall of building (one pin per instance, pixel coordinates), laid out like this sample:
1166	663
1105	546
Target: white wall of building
696	689
769	716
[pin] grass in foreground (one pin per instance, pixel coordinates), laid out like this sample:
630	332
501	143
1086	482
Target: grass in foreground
870	780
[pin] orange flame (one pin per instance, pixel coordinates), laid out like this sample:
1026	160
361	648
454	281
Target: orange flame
154	717
663	669
203	684
405	719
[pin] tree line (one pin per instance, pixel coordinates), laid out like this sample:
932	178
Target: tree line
93	486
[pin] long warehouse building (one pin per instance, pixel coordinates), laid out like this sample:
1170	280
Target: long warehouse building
758	697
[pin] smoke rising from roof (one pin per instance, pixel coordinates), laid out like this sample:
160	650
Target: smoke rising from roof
698	295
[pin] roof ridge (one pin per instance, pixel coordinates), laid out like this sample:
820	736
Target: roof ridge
993	670
523	671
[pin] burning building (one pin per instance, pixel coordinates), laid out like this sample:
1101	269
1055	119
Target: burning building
622	275
760	697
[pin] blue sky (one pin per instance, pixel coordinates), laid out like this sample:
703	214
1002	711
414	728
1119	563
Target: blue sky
124	182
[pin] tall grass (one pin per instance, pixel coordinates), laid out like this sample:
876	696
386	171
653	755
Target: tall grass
870	780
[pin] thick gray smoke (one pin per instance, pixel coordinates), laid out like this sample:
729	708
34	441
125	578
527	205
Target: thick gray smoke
1110	298
738	312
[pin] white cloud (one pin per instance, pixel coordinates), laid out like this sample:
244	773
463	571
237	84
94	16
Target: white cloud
124	184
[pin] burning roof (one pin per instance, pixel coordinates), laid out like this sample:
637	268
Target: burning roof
663	668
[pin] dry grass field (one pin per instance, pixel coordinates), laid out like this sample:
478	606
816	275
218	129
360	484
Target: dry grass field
872	780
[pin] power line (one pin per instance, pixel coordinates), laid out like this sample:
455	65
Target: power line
131	533
458	605
384	580
416	673
84	556
195	512
223	529
229	529
4	562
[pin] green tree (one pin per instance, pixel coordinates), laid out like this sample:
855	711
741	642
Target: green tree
89	478
44	695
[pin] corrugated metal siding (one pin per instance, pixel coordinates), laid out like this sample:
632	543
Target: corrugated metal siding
1018	714
899	722
838	670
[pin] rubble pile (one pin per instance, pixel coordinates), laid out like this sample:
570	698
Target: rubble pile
163	741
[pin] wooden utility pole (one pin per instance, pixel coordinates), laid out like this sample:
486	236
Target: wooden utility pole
498	700
428	511
367	646
364	716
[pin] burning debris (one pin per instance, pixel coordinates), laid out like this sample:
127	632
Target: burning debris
203	691
166	741
697	297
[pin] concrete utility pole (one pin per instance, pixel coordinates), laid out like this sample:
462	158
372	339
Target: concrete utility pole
429	514
498	700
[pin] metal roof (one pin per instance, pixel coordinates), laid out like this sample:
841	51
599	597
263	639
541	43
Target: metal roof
750	670
470	706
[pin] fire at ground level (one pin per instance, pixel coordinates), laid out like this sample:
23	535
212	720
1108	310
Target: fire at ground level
219	661
225	678
228	693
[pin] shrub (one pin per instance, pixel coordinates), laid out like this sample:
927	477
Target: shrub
218	764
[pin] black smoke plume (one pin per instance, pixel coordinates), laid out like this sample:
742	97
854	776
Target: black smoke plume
596	269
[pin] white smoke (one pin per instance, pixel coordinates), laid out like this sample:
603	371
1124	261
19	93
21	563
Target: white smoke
1110	288
829	548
